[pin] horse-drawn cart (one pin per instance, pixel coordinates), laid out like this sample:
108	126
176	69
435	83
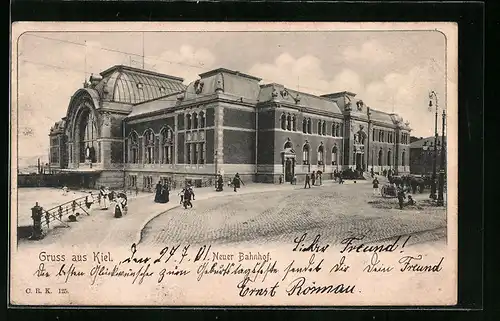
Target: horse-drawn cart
389	190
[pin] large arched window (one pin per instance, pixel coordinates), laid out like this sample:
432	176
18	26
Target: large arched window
389	157
380	157
88	137
294	123
149	147
133	141
304	125
334	154
167	146
188	121
318	129
323	128
288	122
403	158
309	125
283	121
321	155
305	154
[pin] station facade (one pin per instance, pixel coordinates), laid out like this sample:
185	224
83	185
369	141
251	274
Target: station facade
129	128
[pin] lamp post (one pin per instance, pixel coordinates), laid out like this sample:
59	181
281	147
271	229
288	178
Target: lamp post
433	95
440	199
425	148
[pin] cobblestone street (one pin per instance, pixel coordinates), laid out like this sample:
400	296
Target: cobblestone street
256	214
332	210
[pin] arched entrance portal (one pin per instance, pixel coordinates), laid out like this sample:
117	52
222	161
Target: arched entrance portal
86	138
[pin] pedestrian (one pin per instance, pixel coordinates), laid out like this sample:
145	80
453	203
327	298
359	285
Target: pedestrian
411	201
103	193
371	172
65	190
60	212
220	184
188	193
335	174
158	190
165	193
89	200
319	175
236	181
375	187
414	185
181	194
401	198
313	178
308	181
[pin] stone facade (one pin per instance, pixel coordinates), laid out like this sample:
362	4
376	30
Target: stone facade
226	123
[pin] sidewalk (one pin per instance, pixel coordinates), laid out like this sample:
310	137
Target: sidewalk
101	228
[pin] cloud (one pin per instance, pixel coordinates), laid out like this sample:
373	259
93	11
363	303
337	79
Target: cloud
186	62
306	73
370	52
405	93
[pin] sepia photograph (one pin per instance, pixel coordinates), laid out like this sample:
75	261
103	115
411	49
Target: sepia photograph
241	164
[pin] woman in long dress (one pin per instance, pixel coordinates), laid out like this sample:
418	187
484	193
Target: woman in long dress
158	191
120	206
166	193
104	198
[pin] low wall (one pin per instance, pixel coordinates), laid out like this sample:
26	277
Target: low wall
39	180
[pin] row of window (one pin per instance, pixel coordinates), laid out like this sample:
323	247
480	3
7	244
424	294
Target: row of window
289	122
384	136
165	143
195	153
405	138
161	150
389	158
195	120
306	156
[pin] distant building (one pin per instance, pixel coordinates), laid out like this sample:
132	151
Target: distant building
422	155
130	127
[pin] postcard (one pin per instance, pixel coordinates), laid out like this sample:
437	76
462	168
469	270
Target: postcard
233	164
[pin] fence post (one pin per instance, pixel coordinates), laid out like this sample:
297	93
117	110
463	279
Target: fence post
36	215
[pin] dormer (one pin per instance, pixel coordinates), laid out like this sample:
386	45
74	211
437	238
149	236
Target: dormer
345	100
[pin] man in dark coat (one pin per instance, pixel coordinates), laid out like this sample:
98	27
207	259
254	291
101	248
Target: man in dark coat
237	181
313	178
188	194
308	181
401	198
220	183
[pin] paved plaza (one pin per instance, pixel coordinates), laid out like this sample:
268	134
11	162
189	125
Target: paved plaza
257	214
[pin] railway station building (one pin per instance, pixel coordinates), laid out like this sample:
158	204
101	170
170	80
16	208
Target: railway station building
130	128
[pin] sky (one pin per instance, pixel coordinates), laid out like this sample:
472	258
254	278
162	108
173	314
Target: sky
391	71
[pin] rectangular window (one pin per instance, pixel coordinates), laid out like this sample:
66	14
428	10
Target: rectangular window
196	153
202	153
188	153
132	181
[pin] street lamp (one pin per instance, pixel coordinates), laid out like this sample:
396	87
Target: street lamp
440	199
425	148
433	95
